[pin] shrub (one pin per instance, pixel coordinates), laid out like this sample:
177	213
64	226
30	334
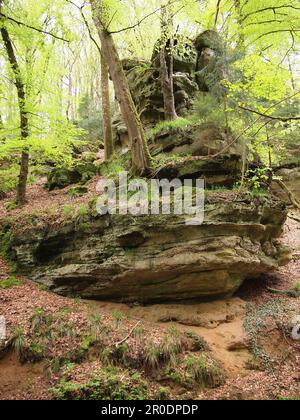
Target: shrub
108	384
10	282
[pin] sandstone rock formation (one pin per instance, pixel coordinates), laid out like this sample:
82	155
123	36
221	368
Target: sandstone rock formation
198	69
153	259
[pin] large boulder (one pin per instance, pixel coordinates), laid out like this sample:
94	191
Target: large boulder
59	178
221	171
157	258
184	57
196	140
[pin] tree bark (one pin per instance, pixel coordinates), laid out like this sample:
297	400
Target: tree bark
139	150
167	66
24	122
107	127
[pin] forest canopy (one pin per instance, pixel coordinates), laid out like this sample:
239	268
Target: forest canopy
56	95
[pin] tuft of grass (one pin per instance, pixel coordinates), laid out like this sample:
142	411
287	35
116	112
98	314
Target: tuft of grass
68	211
203	371
163	352
169	126
19	341
117	317
40	320
10	206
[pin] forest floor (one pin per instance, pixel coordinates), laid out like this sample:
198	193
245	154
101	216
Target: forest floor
248	336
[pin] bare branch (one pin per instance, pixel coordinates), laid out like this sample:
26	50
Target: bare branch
271	117
291	31
274	8
140	21
217	12
80	8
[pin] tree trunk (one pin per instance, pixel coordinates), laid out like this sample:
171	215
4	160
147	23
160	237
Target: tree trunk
139	150
107	128
24	123
167	65
167	86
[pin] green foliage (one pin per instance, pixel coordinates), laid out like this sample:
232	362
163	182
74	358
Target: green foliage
90	119
163	126
68	211
202	371
209	109
109	384
256	180
81	212
296	287
9	283
116	165
117	317
163	352
40	320
6	238
18	341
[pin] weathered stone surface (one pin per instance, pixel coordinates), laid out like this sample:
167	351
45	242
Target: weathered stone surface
197	140
61	178
291	178
223	170
150	259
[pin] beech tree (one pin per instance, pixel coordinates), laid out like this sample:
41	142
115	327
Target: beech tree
139	150
24	123
167	61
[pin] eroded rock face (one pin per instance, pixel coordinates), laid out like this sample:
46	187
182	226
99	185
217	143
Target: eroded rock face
157	258
291	178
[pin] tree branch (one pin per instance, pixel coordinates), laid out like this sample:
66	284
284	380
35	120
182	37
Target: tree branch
274	8
140	21
80	8
284	119
217	12
33	28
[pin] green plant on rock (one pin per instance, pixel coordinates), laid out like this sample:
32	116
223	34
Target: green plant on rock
203	371
6	239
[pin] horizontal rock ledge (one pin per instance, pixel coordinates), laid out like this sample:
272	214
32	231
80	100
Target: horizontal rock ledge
157	258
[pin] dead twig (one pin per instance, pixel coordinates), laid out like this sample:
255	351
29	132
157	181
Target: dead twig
128	335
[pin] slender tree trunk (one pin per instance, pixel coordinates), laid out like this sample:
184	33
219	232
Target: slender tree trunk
1	123
217	13
139	150
24	123
107	127
167	66
238	10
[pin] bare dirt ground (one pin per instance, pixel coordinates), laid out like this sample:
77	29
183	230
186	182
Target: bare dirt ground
248	334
